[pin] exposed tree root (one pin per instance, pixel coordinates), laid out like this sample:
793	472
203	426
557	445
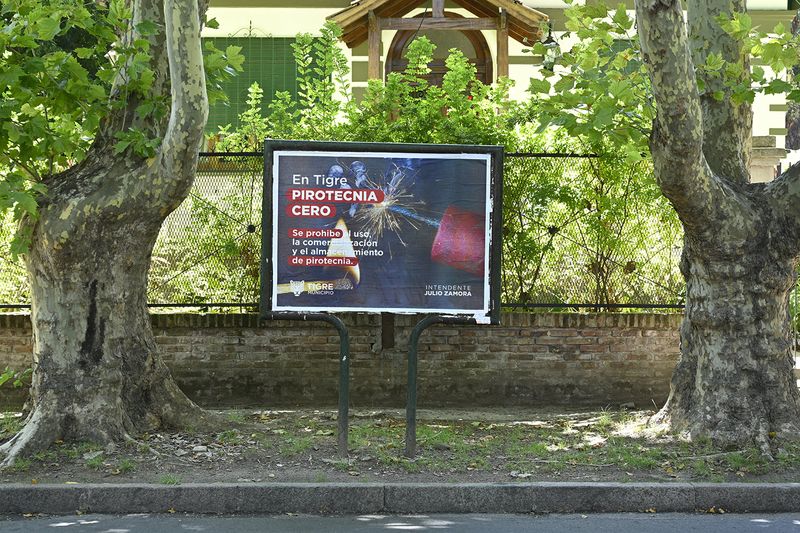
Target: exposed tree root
38	433
51	421
760	432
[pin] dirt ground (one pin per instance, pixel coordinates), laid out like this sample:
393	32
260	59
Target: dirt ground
454	446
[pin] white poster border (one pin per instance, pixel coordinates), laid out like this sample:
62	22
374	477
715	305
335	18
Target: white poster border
480	315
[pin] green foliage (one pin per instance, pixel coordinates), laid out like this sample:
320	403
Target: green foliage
407	108
96	462
596	230
206	240
601	231
253	127
13	278
220	66
53	95
586	230
322	92
65	66
169	479
777	50
18	378
125	466
576	230
599	91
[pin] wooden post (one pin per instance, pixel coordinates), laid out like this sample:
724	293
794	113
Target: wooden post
502	44
374	38
438	9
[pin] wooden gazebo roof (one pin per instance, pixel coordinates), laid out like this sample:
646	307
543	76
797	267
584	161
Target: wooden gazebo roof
523	23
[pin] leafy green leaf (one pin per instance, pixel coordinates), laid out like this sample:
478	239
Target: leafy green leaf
539	86
48	27
147	28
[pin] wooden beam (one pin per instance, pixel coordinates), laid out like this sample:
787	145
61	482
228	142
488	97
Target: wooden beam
374	38
354	14
477	8
438	9
438	24
502	45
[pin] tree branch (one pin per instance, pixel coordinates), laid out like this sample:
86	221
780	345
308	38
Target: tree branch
126	117
189	101
677	139
727	128
784	194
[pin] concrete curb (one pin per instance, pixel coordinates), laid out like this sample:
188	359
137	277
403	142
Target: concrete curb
372	498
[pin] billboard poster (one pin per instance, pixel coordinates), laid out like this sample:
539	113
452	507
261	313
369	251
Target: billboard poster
381	228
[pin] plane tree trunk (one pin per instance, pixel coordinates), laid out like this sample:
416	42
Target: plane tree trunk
792	139
734	382
97	372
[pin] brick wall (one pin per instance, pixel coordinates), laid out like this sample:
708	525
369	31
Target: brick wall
15	352
531	359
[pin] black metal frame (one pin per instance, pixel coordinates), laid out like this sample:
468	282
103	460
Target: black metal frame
495	199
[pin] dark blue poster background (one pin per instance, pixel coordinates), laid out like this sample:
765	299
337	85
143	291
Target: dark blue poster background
400	232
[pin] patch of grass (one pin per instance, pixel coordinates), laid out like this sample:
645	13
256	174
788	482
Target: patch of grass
47	455
265	441
10	424
76	451
642	460
21	465
125	466
295	445
95	463
431	435
169	479
790	456
230	437
412	466
374	436
701	468
738	461
529	449
237	417
342	464
605	422
554	466
319	477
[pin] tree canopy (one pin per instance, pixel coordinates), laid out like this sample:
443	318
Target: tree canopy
65	67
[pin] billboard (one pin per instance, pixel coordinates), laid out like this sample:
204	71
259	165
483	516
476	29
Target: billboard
370	227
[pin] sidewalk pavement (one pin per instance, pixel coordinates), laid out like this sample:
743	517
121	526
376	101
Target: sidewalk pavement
374	498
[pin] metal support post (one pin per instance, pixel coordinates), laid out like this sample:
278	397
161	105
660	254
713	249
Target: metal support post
344	366
411	393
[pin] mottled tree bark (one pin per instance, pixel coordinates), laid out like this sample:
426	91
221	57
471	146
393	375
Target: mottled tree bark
793	113
97	373
734	381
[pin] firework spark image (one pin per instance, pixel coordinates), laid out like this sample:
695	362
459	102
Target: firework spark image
398	206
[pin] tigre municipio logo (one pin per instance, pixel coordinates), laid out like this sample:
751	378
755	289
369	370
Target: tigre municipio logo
297	287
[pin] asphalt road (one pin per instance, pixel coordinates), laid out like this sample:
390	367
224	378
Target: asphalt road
570	523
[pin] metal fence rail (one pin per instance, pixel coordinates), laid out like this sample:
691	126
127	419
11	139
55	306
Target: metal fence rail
578	233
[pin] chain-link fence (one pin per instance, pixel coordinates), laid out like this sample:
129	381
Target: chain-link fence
585	232
579	232
209	249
